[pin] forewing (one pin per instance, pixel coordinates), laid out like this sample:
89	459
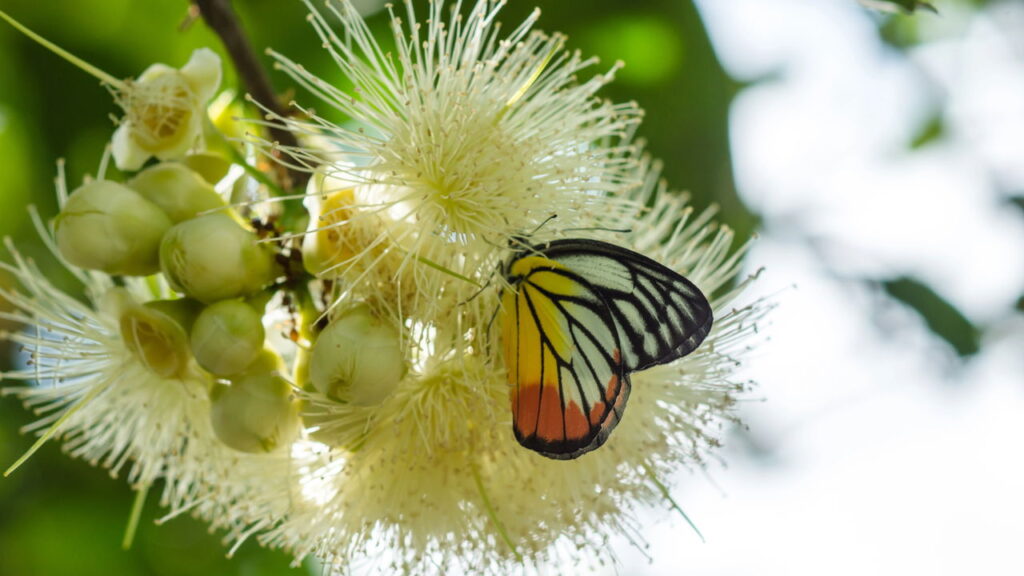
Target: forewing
659	315
569	386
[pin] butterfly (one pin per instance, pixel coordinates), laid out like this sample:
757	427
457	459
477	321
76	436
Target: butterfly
577	318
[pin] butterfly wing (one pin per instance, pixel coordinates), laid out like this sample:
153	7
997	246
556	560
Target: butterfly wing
659	315
568	382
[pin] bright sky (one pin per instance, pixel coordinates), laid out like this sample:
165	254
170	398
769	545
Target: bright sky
874	452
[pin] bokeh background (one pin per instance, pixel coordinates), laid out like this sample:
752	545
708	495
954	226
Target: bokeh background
879	161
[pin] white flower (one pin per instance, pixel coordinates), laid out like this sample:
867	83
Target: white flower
88	387
432	480
464	136
164	110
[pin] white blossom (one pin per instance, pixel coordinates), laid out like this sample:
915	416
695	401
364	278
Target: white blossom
165	110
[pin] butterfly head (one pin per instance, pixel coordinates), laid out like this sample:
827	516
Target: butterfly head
520	247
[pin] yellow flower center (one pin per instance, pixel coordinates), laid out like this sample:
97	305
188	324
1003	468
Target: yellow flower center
159	110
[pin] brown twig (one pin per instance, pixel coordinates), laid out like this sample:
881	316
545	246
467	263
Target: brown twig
220	16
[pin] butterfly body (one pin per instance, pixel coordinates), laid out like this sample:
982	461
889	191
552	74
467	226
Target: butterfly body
579	317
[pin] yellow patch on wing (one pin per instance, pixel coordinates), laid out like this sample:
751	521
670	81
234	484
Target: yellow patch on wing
535	331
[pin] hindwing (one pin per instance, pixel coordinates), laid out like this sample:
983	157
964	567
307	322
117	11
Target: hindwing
568	383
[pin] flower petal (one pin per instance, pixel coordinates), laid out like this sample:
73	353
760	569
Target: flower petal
128	155
203	74
155	71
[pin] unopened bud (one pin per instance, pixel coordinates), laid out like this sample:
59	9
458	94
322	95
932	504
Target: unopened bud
256	412
184	311
212	257
178	191
357	359
227	337
211	167
156	339
109	227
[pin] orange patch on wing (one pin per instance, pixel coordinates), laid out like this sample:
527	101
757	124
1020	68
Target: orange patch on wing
537	411
525	405
597	412
611	392
551	425
515	408
612	396
576	425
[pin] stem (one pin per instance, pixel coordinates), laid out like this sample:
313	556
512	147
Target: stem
533	77
220	17
491	513
75	60
133	519
307	316
53	429
665	493
448	271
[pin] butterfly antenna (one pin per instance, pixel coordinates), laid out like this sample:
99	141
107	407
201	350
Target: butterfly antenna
520	239
601	228
541	225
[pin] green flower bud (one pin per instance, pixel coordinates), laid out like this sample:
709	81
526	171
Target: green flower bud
109	227
178	191
212	167
184	311
357	359
256	413
227	337
266	361
156	339
116	302
213	258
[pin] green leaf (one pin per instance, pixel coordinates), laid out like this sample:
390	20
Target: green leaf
942	318
931	131
1017	201
905	6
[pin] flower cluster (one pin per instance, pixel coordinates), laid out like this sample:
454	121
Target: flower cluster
340	390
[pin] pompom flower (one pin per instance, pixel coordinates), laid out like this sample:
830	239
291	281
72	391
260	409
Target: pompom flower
164	110
431	478
463	136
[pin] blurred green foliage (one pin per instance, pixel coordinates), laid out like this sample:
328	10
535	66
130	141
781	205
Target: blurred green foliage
62	517
907	6
943	319
933	129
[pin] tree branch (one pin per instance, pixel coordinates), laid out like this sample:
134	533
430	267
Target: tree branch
220	17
